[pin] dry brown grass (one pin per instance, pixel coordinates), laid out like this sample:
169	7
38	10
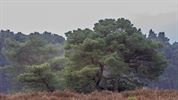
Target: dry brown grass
140	94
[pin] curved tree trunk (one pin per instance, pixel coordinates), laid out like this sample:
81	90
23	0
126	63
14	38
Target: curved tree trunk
47	85
100	74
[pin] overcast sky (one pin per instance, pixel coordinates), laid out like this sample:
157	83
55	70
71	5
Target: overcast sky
60	16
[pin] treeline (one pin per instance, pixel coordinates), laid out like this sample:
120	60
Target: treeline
18	50
114	55
169	79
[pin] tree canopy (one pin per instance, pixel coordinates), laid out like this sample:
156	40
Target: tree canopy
36	53
115	56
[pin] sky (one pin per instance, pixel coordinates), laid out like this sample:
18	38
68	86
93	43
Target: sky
60	16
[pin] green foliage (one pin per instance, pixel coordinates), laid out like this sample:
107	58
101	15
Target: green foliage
168	79
46	76
115	56
122	56
33	51
39	77
81	78
58	63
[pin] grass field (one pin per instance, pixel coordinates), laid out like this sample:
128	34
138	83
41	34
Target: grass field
140	94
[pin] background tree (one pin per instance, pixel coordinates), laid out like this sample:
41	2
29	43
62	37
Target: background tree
169	79
39	77
44	77
33	51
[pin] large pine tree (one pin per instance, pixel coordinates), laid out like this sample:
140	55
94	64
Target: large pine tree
115	56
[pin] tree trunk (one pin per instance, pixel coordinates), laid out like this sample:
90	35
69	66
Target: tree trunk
47	85
100	74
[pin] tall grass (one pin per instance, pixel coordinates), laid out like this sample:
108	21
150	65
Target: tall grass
139	94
